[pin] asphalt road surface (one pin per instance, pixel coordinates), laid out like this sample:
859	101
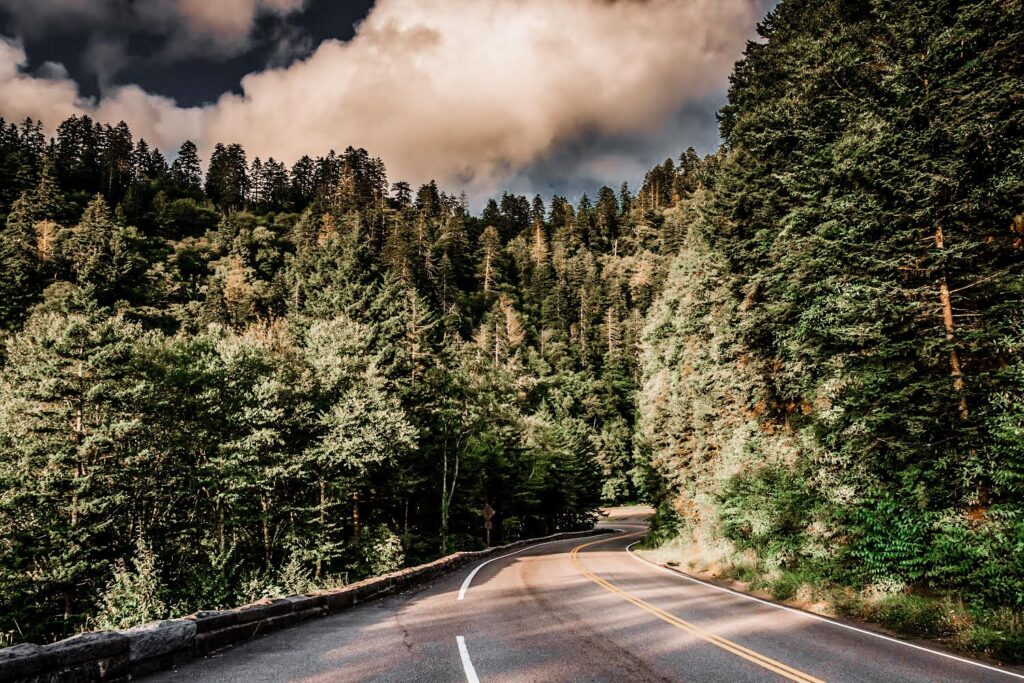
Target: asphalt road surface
578	610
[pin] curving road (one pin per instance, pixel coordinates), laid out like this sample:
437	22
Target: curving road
578	610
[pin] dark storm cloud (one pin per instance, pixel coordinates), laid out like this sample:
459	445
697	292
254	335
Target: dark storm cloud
159	46
585	164
547	96
220	27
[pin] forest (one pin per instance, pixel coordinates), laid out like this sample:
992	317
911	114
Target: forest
230	378
267	379
832	377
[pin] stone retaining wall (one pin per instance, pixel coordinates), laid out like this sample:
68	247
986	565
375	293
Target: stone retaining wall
112	656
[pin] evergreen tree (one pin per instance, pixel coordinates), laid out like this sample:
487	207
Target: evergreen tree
26	248
847	260
103	256
186	174
227	179
117	161
70	430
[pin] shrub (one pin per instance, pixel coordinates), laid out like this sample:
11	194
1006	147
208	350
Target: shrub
382	551
913	615
665	525
133	595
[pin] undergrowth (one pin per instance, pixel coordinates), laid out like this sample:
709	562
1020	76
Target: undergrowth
997	632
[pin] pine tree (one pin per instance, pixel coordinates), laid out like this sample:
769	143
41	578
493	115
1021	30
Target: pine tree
227	179
103	256
606	221
77	155
490	251
302	185
70	424
186	173
26	245
837	257
116	158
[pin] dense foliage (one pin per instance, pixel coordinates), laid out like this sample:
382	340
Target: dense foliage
806	347
832	378
266	378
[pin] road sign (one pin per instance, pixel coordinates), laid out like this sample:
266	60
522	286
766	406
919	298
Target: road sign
488	512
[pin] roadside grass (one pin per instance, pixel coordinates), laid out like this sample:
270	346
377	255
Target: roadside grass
953	623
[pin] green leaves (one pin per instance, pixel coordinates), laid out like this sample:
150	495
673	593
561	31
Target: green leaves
365	428
809	391
70	421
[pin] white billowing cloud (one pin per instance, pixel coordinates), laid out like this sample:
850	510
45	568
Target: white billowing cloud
22	95
53	98
466	91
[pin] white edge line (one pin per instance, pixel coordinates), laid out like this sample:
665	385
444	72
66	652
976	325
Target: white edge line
467	664
469	579
809	615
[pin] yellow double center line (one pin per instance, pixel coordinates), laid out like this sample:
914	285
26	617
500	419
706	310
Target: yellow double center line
729	646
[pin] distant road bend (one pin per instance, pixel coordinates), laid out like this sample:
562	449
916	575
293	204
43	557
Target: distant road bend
579	610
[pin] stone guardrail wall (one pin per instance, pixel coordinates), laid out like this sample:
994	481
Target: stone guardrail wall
113	656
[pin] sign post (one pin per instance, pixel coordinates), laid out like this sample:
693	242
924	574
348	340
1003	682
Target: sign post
488	513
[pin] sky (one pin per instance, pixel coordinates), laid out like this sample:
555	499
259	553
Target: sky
532	96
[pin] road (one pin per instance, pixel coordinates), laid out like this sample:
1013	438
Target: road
577	610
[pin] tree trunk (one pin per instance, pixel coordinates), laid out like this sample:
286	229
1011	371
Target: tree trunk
947	317
447	494
220	526
444	497
79	438
583	322
497	341
264	505
611	329
956	370
487	274
322	522
356	529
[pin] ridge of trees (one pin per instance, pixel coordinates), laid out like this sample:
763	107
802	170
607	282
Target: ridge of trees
217	386
805	347
832	376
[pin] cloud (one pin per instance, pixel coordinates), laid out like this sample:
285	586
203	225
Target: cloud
34	16
590	161
212	27
465	91
23	95
54	98
54	71
105	58
209	28
289	44
229	19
